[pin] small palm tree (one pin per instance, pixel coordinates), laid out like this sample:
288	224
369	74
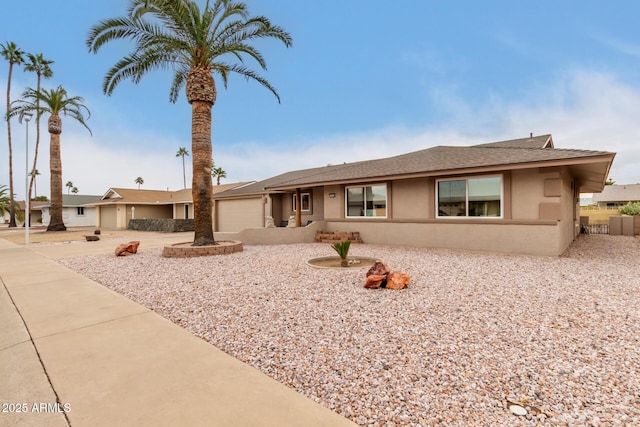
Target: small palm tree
69	186
33	174
14	55
54	102
182	151
342	248
5	200
37	64
139	181
74	190
218	173
195	44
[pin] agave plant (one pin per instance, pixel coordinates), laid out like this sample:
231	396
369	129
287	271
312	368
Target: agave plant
342	248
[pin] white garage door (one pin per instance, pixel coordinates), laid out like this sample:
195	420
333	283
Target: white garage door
236	215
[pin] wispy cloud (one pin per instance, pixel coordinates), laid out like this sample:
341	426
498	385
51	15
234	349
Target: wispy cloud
620	46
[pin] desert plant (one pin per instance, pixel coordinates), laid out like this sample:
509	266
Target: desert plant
342	248
630	209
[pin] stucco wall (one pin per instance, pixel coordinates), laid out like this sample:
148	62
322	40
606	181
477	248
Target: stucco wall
539	207
150	211
528	239
412	199
334	206
70	217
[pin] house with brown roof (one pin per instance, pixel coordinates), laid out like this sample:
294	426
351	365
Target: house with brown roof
614	196
515	196
120	205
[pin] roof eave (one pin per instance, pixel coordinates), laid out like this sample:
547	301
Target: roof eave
457	171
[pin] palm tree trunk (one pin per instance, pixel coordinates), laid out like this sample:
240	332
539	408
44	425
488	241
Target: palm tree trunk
202	188
35	155
55	164
184	175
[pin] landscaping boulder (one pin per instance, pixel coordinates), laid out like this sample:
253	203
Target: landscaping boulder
397	280
379	276
127	249
378	269
374	281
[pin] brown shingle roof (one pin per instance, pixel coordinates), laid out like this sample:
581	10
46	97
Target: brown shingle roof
441	160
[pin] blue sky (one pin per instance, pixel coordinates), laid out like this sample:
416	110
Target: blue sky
364	79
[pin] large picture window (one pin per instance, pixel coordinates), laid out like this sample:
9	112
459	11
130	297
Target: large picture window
367	201
470	197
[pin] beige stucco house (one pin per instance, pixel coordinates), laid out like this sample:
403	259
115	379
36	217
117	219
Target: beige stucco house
119	205
516	196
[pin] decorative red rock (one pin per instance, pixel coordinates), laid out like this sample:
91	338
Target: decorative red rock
398	280
374	281
378	269
127	249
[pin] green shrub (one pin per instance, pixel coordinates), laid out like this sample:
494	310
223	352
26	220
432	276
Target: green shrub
342	248
630	209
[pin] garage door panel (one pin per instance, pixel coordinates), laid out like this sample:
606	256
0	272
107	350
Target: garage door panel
236	215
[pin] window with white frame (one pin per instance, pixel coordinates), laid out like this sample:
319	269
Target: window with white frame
80	211
305	202
470	197
366	201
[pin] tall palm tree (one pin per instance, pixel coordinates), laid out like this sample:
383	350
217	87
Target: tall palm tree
37	64
139	181
196	44
182	151
11	53
54	102
34	173
69	186
218	173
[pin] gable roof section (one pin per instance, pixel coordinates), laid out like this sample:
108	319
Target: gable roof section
590	167
541	141
133	196
619	193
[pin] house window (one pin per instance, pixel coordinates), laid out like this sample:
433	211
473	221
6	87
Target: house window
305	201
80	211
470	197
369	201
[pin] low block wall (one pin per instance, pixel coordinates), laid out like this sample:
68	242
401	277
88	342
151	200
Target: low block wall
166	225
273	236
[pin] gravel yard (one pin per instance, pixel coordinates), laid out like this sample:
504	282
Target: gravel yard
560	336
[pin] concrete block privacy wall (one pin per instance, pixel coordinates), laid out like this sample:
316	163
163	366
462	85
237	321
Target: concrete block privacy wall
166	225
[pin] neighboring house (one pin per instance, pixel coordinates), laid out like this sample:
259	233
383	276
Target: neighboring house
614	196
34	209
119	205
76	210
516	196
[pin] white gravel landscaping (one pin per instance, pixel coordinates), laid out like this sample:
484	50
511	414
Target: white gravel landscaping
474	331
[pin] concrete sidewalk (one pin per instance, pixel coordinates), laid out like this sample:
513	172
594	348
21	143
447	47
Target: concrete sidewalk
73	352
